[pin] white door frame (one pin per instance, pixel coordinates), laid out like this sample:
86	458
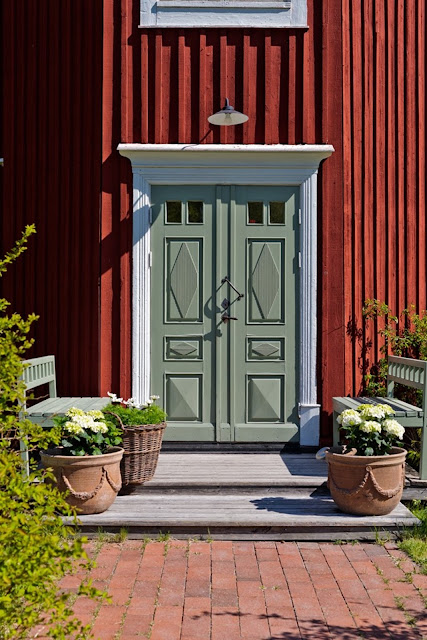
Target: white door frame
228	164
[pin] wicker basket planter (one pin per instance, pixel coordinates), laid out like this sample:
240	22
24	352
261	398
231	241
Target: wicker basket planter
142	444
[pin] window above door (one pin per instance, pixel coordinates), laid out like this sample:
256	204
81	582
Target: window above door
223	13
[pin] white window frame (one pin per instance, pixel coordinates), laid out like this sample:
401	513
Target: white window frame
223	13
229	164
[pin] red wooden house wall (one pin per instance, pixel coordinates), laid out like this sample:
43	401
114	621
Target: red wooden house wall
51	95
355	79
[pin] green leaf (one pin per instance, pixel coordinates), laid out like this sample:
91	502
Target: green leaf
78	452
35	550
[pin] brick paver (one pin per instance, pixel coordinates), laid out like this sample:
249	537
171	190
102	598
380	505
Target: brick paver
222	590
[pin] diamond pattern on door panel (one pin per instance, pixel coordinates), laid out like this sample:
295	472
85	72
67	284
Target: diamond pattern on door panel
182	349
269	350
183	400
266	349
184	280
265	267
265	398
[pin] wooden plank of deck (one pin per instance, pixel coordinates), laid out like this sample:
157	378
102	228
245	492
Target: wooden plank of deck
210	472
303	514
238	470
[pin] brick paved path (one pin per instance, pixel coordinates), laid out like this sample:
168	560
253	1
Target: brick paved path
179	590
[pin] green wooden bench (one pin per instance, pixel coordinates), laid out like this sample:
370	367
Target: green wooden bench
406	371
40	371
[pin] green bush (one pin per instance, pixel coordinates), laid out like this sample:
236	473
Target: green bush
404	335
152	414
36	549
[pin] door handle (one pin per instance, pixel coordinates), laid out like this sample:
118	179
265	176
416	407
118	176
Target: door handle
226	318
239	295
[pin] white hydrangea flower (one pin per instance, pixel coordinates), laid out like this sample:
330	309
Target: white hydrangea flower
96	414
373	412
370	426
154	398
387	409
349	418
394	428
73	427
74	412
98	427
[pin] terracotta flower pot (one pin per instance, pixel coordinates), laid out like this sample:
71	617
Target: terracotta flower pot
366	485
91	482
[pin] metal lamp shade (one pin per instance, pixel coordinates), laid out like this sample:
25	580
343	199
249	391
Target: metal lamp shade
227	116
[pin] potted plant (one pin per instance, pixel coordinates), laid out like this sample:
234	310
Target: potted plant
87	464
367	478
143	425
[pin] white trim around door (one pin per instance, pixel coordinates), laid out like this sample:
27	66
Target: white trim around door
228	164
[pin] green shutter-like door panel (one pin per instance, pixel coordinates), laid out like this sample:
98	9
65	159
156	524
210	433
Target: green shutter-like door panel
182	357
264	232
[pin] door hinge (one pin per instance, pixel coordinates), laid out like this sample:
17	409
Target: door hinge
150	259
299	259
299	216
151	215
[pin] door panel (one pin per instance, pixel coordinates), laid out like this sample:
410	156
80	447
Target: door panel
265	233
184	267
225	364
265	264
182	320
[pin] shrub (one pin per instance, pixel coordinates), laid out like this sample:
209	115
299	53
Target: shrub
404	335
35	548
152	414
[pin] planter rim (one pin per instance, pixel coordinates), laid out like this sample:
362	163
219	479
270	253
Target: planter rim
51	453
395	451
141	427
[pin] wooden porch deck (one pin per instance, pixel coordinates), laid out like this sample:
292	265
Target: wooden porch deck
240	496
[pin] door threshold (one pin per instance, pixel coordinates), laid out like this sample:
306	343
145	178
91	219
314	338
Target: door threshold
227	447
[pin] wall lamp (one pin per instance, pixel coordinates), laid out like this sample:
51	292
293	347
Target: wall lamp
227	116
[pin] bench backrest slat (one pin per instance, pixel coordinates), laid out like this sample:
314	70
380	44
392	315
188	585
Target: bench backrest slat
412	373
40	371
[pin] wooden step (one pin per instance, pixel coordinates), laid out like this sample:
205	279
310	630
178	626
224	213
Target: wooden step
244	472
292	515
203	471
240	496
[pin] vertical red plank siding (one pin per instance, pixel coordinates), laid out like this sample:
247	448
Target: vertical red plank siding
51	176
384	167
379	174
421	143
411	186
331	370
391	128
116	202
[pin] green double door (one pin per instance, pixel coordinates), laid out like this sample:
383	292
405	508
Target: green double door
224	312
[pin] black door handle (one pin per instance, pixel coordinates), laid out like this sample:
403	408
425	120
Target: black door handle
239	295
